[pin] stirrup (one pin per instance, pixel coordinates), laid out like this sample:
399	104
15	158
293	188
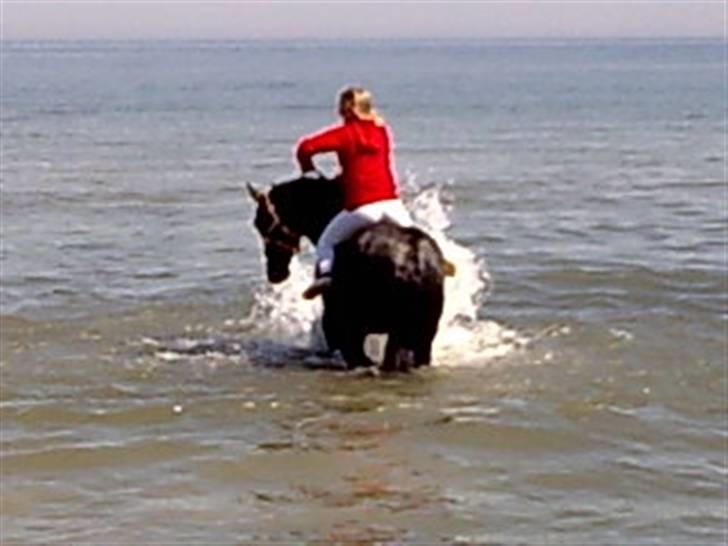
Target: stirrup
318	287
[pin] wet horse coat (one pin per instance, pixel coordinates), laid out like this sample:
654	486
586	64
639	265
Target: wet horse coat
386	279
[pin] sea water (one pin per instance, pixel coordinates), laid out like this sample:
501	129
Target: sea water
156	389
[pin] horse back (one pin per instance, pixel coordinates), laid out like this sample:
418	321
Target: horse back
387	251
386	275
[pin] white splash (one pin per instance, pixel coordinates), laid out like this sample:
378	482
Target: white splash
463	338
281	312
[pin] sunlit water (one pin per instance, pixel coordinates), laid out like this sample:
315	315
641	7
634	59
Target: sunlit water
156	390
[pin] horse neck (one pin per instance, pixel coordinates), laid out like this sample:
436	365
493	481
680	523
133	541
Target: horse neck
307	206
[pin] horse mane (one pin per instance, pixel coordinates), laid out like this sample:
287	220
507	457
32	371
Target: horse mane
306	206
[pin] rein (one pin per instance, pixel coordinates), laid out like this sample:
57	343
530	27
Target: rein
279	234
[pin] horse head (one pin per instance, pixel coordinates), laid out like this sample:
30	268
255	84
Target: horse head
289	210
279	240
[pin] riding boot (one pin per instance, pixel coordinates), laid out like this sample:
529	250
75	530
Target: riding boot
320	284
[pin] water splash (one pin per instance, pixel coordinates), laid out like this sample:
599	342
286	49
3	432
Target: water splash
463	337
280	313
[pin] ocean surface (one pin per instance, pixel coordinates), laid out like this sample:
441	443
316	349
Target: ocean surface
154	389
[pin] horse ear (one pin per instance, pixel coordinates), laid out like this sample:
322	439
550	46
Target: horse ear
255	194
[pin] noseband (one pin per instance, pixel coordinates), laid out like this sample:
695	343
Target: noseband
278	234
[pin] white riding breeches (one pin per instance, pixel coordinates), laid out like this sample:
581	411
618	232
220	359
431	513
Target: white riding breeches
347	222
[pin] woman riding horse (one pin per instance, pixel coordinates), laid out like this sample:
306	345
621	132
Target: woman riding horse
363	145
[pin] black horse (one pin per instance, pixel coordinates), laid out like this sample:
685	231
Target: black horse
386	279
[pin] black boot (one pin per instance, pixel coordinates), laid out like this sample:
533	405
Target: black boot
320	284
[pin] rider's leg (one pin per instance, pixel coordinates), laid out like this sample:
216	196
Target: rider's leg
343	226
347	222
340	228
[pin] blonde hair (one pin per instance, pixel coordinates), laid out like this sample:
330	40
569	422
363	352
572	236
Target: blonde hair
358	102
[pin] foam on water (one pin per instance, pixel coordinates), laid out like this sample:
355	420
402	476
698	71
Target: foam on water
280	313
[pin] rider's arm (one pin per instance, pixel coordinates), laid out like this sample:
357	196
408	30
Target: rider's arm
329	140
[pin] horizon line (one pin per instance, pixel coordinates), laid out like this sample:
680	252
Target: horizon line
371	38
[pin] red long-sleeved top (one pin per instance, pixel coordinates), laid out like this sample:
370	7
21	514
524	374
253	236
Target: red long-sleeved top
363	149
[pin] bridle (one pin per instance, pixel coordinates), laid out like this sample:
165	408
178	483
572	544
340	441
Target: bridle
278	234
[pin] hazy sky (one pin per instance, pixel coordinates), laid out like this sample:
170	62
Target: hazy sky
218	19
